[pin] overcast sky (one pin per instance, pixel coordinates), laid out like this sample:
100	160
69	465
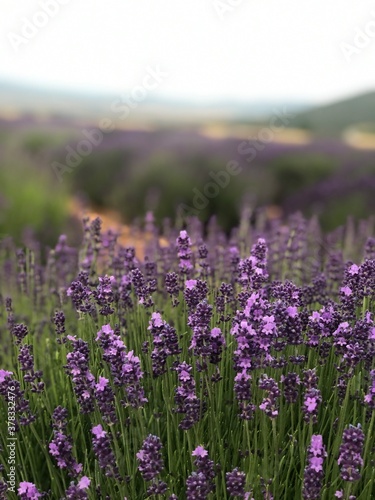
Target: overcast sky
259	49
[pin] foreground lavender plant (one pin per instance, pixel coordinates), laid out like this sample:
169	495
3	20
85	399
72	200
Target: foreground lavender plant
350	459
269	324
102	448
151	464
313	475
61	445
200	483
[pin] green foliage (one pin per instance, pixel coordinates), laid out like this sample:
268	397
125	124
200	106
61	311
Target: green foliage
99	174
30	199
35	143
335	118
336	210
294	172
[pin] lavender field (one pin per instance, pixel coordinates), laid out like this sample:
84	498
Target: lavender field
216	367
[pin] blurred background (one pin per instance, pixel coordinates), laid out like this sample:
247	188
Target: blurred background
184	108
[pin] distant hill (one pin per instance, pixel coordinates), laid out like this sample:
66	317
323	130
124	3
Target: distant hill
16	98
339	116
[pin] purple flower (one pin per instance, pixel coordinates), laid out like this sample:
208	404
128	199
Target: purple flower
236	481
28	491
4	374
141	288
369	398
80	293
19	331
311	402
59	321
61	445
350	458
201	483
26	360
165	343
186	399
200	452
195	292
125	366
106	401
104	295
269	404
172	286
103	451
183	243
78	368
291	381
10	389
78	492
149	458
313	475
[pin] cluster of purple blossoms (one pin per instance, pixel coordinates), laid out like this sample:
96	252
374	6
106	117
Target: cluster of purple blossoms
313	475
77	368
350	459
355	342
312	396
26	360
151	273
370	396
80	293
125	366
236	481
242	390
201	483
141	288
124	292
291	381
224	298
255	331
289	323
217	342
165	343
186	399
172	287
269	404
3	489
105	400
195	291
78	491
61	445
28	491
104	295
92	242
203	254
10	389
320	327
59	322
183	243
252	272
19	331
199	322
102	448
151	464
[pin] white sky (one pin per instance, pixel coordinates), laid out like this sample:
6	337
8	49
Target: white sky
262	49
